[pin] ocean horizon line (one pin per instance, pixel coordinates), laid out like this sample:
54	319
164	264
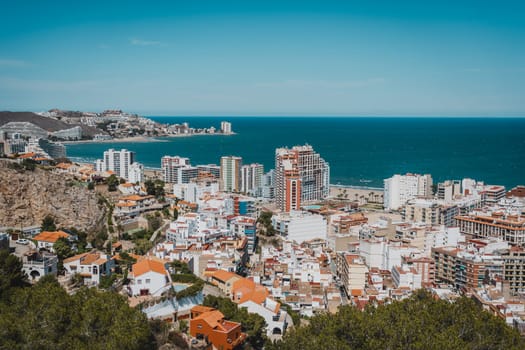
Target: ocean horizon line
334	116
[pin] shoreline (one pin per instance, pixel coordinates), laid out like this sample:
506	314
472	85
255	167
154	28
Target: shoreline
141	138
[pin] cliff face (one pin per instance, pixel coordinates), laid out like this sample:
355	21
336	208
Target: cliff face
26	197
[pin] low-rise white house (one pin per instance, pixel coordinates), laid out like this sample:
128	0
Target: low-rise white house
149	277
46	239
90	266
276	319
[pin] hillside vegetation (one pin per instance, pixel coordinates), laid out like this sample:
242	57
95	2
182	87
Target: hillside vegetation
420	322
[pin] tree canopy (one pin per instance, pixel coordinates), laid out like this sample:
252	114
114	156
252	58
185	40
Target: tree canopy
419	322
48	224
46	317
155	188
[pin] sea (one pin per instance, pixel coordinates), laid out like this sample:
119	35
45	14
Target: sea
361	151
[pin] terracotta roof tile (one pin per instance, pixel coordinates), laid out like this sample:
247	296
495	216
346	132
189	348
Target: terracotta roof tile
147	265
51	237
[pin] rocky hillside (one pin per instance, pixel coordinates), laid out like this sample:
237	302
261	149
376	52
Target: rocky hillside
45	123
26	197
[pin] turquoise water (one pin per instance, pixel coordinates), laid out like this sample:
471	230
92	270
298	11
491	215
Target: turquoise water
361	151
179	287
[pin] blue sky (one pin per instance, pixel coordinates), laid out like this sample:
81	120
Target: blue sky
460	58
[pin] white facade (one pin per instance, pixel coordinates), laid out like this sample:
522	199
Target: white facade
372	251
401	188
442	236
193	192
226	127
406	277
136	173
276	319
251	176
172	168
117	161
230	174
90	266
300	226
149	277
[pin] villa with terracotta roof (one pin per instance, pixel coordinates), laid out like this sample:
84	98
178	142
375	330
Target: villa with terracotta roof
224	280
90	266
209	324
245	289
149	277
134	204
47	239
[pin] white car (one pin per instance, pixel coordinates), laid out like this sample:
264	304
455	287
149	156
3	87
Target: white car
22	241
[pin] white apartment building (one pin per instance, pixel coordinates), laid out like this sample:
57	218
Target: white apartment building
251	176
226	127
136	173
401	188
117	161
406	277
300	226
194	191
230	174
173	169
442	236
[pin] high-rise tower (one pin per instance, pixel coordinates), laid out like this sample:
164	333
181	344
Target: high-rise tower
301	176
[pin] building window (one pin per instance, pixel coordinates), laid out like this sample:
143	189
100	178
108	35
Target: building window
139	281
148	280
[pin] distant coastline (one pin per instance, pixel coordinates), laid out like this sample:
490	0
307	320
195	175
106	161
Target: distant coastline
143	138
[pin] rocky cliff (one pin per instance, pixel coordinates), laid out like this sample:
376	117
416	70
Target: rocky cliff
26	197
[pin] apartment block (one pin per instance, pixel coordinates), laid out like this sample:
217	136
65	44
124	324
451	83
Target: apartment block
401	188
301	176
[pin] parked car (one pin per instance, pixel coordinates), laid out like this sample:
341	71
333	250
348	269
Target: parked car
22	241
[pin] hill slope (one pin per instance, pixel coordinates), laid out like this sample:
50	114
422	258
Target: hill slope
26	197
45	123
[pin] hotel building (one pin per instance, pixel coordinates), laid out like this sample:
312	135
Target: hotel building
301	175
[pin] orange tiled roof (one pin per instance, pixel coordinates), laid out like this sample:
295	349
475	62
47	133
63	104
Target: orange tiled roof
52	237
76	257
224	276
27	155
212	318
201	308
135	197
126	204
147	265
249	290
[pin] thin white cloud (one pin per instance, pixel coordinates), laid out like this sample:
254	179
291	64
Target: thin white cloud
12	63
141	42
323	84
